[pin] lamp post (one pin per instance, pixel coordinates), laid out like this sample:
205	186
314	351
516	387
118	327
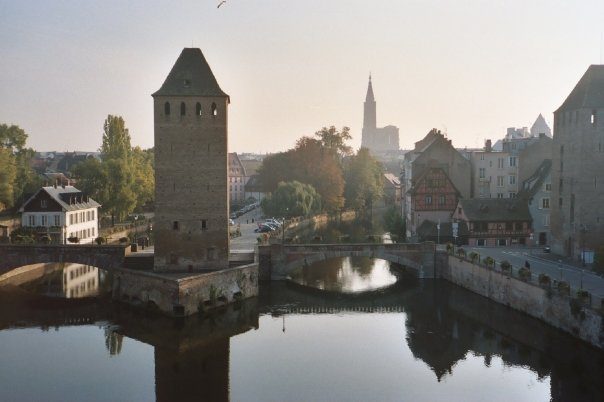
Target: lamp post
135	230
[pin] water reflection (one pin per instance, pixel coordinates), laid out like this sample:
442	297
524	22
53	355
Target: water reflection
65	280
416	340
346	275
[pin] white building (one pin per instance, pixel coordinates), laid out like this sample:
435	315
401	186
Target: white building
61	212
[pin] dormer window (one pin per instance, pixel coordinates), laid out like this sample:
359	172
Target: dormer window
186	83
44	204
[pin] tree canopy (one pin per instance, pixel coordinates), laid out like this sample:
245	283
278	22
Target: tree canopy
292	199
364	180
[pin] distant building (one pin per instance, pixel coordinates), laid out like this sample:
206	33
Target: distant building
577	216
537	191
392	191
61	212
433	198
237	179
378	140
540	128
494	222
432	152
494	174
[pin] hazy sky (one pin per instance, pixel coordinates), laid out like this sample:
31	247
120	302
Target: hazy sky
470	68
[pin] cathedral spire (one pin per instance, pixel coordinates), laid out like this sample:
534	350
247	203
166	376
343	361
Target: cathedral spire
369	97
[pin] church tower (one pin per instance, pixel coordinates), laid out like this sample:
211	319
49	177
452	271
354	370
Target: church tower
191	194
369	118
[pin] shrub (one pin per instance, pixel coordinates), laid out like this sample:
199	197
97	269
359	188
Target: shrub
505	266
73	239
46	239
100	240
474	257
564	288
124	239
490	262
524	273
544	280
449	248
582	294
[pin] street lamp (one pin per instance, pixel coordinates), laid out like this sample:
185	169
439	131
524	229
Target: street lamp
135	230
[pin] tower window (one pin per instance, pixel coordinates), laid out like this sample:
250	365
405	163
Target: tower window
167	108
214	111
594	120
186	83
183	109
204	224
198	109
175	225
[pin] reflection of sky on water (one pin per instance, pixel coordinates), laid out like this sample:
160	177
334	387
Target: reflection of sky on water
347	275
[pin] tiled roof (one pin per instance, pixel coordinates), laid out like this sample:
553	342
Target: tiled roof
495	209
191	76
68	197
589	91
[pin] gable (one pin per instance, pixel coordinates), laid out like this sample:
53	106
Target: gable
42	202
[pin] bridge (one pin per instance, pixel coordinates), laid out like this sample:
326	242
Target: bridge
106	257
278	261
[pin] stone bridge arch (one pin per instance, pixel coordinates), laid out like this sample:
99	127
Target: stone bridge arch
279	261
107	257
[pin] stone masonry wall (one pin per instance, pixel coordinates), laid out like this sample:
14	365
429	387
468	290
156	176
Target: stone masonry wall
182	296
544	304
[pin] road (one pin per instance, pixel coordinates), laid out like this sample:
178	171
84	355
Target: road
247	240
575	276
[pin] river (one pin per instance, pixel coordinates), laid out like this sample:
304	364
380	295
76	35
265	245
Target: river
372	339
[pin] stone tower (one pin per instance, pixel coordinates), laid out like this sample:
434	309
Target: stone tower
577	217
191	196
369	118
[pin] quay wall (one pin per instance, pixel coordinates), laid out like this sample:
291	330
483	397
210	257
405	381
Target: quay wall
185	294
558	309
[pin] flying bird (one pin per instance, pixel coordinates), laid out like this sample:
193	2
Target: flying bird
221	3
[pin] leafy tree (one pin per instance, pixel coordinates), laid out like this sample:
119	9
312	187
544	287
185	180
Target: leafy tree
310	163
16	176
143	162
8	174
12	138
292	199
364	180
395	223
116	139
92	178
335	140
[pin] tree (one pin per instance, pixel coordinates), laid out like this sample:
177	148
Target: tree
16	176
364	180
335	140
143	162
292	199
8	174
116	139
310	163
92	178
395	223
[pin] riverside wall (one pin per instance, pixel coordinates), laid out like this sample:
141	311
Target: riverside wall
185	294
574	316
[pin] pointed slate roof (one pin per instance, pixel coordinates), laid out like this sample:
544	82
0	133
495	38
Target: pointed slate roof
190	76
589	91
369	97
540	126
68	197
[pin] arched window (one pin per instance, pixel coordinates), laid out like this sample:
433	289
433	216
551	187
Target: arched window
198	109
183	109
214	112
167	108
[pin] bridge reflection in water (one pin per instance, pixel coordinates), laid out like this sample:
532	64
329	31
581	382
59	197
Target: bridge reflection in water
218	358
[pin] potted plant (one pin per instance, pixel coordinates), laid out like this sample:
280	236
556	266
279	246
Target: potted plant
544	280
73	239
100	240
524	274
582	295
474	257
489	262
450	248
505	266
564	288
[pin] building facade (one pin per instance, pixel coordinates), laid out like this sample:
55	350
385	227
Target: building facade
494	173
577	216
61	212
237	179
536	190
433	151
494	222
379	141
191	165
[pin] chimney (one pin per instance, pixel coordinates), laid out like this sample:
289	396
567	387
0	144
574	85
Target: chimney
487	146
